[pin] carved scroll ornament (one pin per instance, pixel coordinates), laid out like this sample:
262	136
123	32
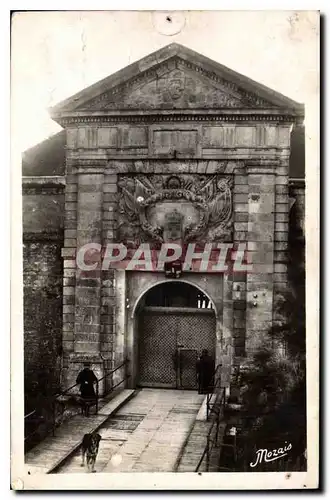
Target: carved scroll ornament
208	195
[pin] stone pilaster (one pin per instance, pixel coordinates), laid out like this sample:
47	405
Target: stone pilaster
108	334
261	227
281	226
224	348
87	307
241	218
88	283
69	269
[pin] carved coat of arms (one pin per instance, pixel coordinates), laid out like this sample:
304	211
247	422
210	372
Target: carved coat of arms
175	84
158	208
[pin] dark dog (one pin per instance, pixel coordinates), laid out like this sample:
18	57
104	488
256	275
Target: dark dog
90	448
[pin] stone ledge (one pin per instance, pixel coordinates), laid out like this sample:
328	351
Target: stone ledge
80	357
44	180
92	424
45	236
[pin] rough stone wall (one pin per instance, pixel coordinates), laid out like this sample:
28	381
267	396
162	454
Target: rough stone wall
43	210
42	316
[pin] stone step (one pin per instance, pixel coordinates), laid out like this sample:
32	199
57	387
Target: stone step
194	447
146	435
53	450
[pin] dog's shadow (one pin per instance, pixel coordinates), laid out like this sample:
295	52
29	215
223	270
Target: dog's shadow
89	471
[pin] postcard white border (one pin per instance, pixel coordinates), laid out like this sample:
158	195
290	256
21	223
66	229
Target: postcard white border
175	481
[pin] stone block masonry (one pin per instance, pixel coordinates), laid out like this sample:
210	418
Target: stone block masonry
88	289
240	211
261	225
94	314
42	319
81	291
43	219
108	295
150	134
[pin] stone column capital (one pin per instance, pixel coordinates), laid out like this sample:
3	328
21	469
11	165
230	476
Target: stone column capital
262	166
89	170
87	165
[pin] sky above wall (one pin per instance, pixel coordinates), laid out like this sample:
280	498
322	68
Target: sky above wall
56	54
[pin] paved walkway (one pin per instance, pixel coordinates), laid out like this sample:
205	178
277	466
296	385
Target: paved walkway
146	435
54	449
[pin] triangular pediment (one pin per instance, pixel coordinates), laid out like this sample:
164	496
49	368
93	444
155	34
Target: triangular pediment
166	88
175	78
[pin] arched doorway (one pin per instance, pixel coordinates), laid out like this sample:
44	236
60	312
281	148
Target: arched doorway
175	322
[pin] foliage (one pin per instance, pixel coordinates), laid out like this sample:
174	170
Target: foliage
273	383
274	405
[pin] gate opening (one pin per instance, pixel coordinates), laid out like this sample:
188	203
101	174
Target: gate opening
176	322
177	294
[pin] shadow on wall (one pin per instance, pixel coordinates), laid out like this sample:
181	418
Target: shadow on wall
297	153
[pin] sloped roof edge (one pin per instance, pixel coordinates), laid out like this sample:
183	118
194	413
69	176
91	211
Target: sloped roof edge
162	55
45	158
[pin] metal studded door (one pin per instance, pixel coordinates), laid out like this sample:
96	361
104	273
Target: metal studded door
187	368
170	339
195	332
196	329
157	348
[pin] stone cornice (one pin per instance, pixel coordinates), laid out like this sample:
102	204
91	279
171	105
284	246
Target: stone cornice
159	116
37	190
297	183
89	162
54	180
47	236
262	162
83	165
262	166
43	184
166	166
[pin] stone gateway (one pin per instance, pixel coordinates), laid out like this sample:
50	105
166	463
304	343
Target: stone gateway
173	148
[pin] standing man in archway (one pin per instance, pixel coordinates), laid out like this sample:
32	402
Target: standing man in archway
205	371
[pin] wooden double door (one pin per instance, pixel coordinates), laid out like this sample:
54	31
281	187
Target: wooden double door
170	339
